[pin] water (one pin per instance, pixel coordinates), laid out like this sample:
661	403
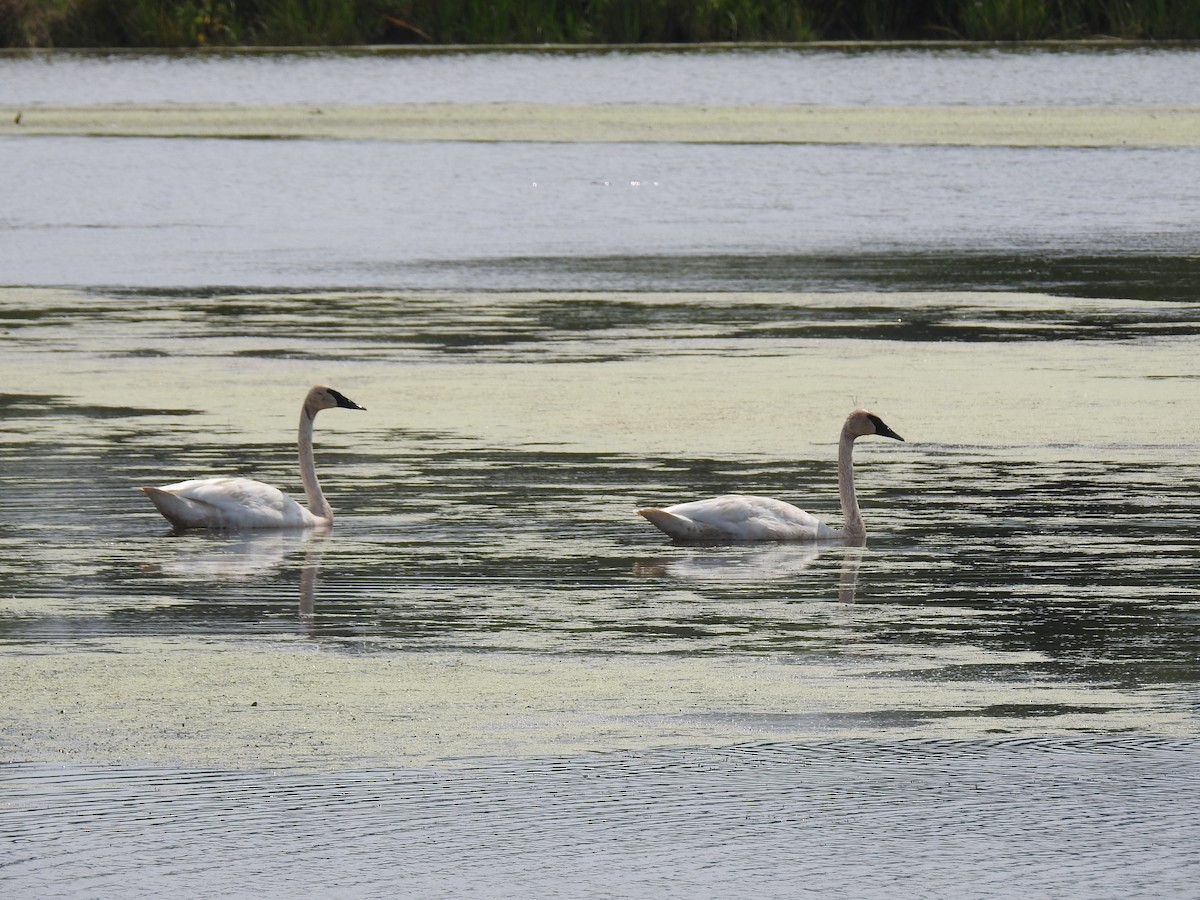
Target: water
982	76
663	217
664	824
492	677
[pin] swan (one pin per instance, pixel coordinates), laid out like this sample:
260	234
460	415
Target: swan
738	517
245	503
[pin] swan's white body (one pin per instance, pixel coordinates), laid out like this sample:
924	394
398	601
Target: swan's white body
245	503
230	503
740	517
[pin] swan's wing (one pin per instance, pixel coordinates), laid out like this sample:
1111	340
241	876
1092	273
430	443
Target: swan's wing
228	503
739	517
681	527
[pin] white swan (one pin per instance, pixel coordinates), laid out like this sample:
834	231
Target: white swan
245	503
737	517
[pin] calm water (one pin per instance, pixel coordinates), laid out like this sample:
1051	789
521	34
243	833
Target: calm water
877	77
492	677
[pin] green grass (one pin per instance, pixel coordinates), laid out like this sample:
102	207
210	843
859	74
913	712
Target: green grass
196	23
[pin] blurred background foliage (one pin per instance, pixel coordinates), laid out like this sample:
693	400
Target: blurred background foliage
200	23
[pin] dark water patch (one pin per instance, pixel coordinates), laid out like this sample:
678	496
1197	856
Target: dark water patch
141	353
277	354
24	406
555	326
1120	274
873	321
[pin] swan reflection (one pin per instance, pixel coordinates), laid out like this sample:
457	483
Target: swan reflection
239	556
757	564
231	556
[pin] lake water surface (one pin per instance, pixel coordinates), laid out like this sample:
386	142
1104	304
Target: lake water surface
493	678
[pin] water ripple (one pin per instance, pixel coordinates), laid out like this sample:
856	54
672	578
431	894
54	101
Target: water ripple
906	817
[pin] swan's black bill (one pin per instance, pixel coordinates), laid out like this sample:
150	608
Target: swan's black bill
882	429
345	402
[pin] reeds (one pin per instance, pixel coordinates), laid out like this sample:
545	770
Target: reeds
192	23
1024	20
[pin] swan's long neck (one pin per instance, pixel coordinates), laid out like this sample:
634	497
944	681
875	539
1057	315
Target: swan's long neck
854	527
317	504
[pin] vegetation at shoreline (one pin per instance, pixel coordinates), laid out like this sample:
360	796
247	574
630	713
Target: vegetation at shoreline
199	23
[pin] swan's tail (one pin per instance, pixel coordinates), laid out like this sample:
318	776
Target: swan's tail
679	527
178	511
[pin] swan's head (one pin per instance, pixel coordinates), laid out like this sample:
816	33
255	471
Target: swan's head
862	422
321	397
